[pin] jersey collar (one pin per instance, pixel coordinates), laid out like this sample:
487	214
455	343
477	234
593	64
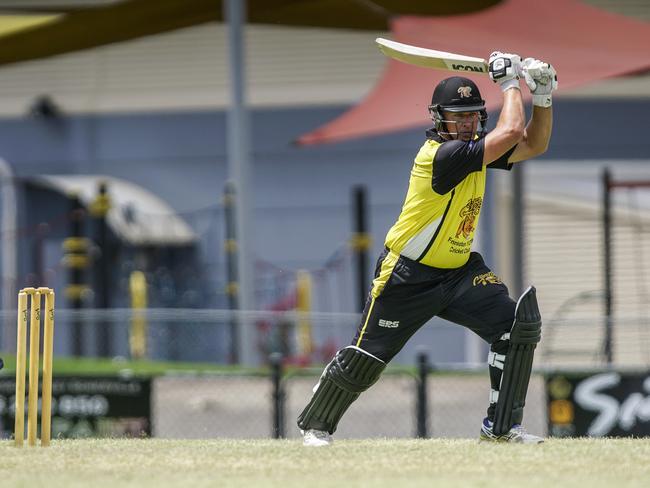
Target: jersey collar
433	135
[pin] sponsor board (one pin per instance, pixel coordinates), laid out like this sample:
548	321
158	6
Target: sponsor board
609	403
88	406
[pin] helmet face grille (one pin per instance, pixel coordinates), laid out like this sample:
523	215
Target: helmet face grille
443	127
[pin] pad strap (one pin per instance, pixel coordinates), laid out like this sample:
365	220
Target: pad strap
494	396
496	360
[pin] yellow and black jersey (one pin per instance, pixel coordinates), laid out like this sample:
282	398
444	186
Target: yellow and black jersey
443	203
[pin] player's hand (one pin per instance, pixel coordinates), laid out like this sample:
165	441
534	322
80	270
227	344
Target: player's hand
504	69
541	79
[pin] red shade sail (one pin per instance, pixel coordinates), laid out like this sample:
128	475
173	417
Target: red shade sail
584	44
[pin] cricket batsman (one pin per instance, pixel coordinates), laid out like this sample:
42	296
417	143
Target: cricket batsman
428	267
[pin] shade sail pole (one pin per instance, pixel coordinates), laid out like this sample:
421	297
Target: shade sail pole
8	251
239	171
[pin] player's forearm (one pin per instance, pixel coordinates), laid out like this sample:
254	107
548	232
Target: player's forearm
512	118
540	126
509	130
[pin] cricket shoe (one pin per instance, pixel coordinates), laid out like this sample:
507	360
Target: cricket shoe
516	434
316	438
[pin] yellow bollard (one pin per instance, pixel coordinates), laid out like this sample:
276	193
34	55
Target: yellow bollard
138	333
303	305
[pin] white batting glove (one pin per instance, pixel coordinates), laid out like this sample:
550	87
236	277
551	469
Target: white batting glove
541	79
505	69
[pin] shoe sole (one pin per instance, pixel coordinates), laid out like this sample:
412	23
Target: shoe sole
501	440
325	444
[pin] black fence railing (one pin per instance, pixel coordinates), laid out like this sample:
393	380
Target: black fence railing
278	396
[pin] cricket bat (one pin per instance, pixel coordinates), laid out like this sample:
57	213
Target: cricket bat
428	58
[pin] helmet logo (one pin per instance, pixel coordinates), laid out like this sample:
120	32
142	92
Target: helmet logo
465	91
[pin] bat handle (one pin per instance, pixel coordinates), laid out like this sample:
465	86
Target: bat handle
521	71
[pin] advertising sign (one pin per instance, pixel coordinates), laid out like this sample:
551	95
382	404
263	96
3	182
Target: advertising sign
611	403
88	406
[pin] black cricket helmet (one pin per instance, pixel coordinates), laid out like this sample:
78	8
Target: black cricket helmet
457	94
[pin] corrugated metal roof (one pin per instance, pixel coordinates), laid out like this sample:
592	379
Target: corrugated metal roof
188	69
136	215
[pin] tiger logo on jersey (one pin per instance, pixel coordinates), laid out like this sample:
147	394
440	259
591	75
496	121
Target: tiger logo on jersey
469	213
486	279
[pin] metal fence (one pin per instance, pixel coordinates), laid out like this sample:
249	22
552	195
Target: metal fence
238	403
570	337
449	403
243	406
197	335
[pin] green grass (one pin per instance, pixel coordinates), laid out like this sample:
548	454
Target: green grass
95	366
99	366
372	463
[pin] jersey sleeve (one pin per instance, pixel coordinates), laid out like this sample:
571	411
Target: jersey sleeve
502	162
453	161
